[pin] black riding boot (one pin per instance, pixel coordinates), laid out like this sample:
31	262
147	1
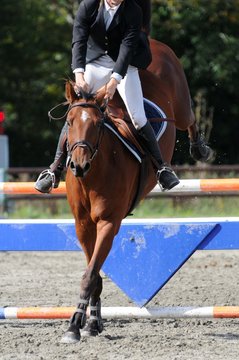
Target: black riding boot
166	177
50	178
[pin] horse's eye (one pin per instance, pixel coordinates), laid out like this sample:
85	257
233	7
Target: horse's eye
68	121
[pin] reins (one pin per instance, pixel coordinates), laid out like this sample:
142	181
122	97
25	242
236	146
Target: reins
93	149
51	117
71	106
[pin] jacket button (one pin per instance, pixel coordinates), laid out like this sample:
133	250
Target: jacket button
106	52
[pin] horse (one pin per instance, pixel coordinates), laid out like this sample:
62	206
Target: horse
102	175
101	182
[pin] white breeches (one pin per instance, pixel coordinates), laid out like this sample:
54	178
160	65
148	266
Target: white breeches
129	88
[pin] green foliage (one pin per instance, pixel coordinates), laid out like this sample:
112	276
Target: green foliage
35	57
204	34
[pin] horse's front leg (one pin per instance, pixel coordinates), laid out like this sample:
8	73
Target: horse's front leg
89	283
95	323
86	233
105	235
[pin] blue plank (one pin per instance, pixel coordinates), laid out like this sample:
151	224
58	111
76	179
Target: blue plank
226	239
38	236
59	235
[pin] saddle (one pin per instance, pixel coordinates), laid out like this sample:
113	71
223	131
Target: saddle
118	121
124	126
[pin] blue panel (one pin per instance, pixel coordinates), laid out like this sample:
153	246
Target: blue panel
226	239
38	237
60	236
145	257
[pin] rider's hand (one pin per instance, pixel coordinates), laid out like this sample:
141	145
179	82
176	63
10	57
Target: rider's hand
111	88
81	83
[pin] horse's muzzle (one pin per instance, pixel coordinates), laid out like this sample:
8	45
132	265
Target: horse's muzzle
80	171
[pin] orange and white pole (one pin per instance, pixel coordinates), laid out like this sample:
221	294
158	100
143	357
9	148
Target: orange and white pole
187	185
178	312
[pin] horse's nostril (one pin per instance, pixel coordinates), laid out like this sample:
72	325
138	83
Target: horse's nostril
79	171
87	167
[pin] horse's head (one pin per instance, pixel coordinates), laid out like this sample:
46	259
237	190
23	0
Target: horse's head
85	120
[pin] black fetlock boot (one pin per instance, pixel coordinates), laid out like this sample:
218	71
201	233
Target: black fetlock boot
166	177
200	151
50	178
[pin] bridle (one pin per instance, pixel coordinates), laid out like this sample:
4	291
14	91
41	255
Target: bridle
93	149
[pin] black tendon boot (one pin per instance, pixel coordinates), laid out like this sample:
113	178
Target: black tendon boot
200	151
166	177
50	178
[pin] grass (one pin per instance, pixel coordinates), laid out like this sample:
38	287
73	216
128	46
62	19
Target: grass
188	207
197	206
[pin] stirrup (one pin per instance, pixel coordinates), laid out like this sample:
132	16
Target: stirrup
167	183
44	174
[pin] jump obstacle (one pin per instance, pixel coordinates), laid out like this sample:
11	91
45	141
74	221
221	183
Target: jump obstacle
145	254
211	312
188	185
151	250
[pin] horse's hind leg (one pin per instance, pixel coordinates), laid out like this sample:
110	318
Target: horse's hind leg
199	150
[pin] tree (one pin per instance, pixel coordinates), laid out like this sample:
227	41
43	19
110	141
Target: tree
204	35
35	58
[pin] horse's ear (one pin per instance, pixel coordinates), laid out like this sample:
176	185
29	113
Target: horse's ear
100	96
70	93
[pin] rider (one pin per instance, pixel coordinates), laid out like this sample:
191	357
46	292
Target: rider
105	41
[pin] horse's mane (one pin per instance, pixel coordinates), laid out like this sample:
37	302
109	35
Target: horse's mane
86	96
81	93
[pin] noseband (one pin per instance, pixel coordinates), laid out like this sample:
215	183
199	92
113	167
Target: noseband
93	149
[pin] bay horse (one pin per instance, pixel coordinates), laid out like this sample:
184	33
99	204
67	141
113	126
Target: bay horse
101	182
102	176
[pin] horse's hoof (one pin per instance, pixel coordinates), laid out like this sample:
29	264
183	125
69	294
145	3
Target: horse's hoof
92	329
70	338
200	151
89	332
